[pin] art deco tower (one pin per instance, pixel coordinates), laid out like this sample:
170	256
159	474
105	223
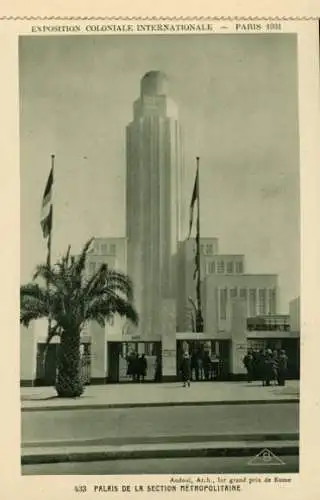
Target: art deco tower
153	169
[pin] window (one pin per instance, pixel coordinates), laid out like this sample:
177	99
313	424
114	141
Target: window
124	347
111	321
243	293
141	348
104	249
256	344
239	267
149	348
252	302
272	301
220	266
209	249
113	249
212	267
92	267
233	292
223	303
262	302
229	267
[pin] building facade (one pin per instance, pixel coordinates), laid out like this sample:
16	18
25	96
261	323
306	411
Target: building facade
224	278
239	309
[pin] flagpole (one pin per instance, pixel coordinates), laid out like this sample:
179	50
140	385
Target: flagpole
50	243
199	318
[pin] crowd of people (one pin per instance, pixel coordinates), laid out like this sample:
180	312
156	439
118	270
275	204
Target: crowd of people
137	367
266	365
199	365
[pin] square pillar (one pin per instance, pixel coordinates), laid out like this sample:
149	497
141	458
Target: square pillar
168	337
28	355
98	354
238	336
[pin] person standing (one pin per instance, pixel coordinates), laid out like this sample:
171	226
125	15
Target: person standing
261	365
275	365
282	367
186	369
248	363
268	367
158	369
135	367
142	368
206	365
130	365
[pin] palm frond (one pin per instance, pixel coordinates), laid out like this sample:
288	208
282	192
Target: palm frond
33	290
53	276
106	281
32	309
67	256
108	306
37	302
71	300
80	262
120	282
95	284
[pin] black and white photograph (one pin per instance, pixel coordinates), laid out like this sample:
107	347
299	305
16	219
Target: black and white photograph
160	252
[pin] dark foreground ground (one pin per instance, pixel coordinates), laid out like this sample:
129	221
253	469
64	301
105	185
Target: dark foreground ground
203	465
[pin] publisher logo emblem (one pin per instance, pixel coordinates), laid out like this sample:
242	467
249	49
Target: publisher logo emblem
266	457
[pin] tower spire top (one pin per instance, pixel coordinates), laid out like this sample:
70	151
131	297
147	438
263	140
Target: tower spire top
154	83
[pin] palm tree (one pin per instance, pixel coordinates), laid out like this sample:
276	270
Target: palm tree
70	300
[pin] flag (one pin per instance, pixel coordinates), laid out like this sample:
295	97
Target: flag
194	198
46	207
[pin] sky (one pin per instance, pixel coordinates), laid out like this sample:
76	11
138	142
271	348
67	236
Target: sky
237	97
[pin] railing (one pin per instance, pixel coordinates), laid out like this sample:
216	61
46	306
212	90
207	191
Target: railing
268	328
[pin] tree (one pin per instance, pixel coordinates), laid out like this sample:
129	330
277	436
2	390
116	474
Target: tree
70	300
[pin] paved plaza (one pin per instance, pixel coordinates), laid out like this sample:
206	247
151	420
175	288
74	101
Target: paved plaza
85	435
167	394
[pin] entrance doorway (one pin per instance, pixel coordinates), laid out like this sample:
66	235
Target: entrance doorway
118	358
210	359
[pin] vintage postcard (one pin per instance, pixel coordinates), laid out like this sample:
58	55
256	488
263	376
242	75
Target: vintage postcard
166	177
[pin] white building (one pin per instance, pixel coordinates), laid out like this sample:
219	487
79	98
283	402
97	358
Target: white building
161	267
153	164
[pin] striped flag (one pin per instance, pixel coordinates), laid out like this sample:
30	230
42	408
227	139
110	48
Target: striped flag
194	198
46	207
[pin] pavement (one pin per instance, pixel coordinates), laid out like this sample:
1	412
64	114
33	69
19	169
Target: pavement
181	465
165	394
158	432
160	451
158	421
